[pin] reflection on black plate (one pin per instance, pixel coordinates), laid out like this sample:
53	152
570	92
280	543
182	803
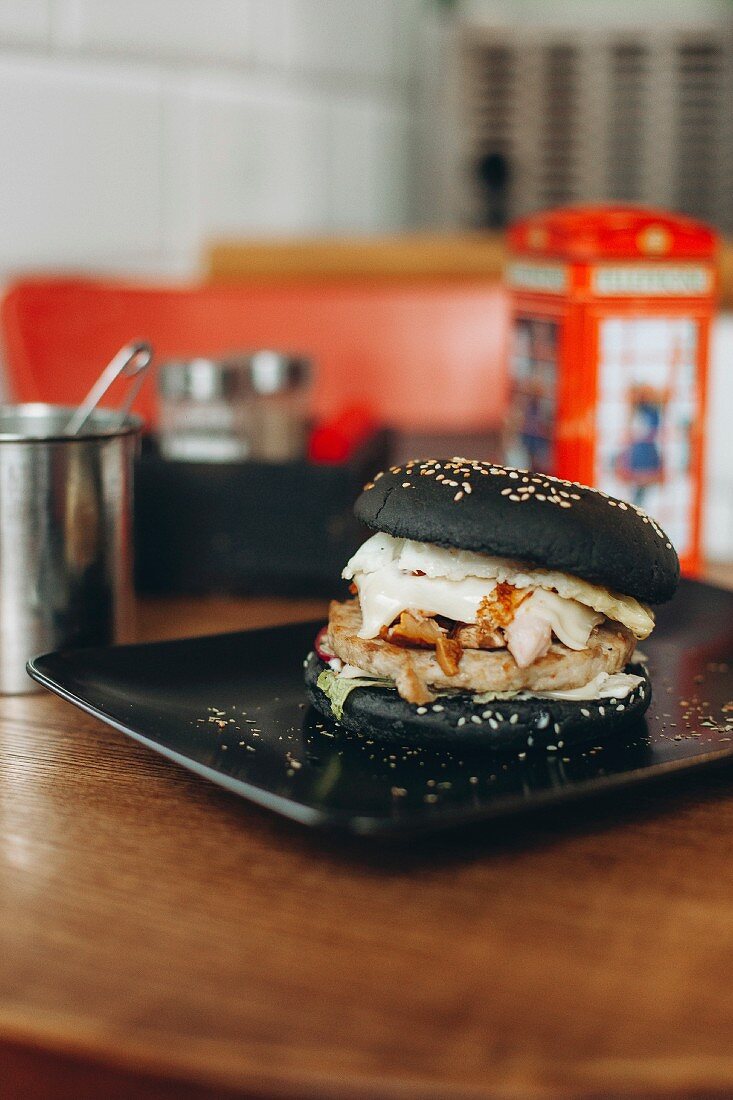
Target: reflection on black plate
233	709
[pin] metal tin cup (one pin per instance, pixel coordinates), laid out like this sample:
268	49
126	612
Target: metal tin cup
65	533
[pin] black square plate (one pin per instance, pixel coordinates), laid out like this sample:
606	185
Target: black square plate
232	708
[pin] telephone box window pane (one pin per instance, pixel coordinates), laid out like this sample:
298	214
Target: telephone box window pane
647	403
533	406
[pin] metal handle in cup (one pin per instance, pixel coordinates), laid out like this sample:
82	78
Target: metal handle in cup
133	361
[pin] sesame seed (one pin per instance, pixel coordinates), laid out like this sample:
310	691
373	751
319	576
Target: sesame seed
543	721
405	484
422	710
585	712
438	707
475	719
556	727
461	721
487	714
466	487
514	719
458	495
493	723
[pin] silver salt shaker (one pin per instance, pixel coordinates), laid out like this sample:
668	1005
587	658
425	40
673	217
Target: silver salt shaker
252	406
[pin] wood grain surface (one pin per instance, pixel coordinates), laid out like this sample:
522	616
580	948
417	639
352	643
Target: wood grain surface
161	938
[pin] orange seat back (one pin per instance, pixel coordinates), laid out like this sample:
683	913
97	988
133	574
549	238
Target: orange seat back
425	355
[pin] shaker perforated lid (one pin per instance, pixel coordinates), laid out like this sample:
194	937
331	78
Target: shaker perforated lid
263	372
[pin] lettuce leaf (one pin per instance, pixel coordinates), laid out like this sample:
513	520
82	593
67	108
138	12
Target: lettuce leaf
338	688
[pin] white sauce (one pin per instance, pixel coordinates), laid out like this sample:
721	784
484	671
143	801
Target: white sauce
603	686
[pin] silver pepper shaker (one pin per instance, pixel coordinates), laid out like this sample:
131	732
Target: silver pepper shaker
251	406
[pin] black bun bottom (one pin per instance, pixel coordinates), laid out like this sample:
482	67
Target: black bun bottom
505	724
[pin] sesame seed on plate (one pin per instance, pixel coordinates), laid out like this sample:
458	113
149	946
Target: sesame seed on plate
458	495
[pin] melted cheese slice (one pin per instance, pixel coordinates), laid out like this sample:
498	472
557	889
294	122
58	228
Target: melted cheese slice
387	592
452	569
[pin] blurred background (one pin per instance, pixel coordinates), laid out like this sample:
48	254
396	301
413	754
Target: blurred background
246	142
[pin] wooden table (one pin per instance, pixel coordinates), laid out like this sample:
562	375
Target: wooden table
161	938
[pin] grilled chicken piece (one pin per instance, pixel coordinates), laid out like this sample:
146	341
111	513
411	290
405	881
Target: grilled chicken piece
499	607
412	631
478	636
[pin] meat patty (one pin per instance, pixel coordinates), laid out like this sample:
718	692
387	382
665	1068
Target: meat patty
416	671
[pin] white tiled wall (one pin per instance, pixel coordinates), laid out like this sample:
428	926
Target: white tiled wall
130	132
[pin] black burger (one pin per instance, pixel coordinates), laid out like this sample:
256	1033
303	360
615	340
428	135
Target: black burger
493	605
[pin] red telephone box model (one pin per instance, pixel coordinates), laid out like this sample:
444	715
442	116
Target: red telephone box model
611	323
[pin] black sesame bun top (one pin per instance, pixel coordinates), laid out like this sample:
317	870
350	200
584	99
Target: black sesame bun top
491	509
